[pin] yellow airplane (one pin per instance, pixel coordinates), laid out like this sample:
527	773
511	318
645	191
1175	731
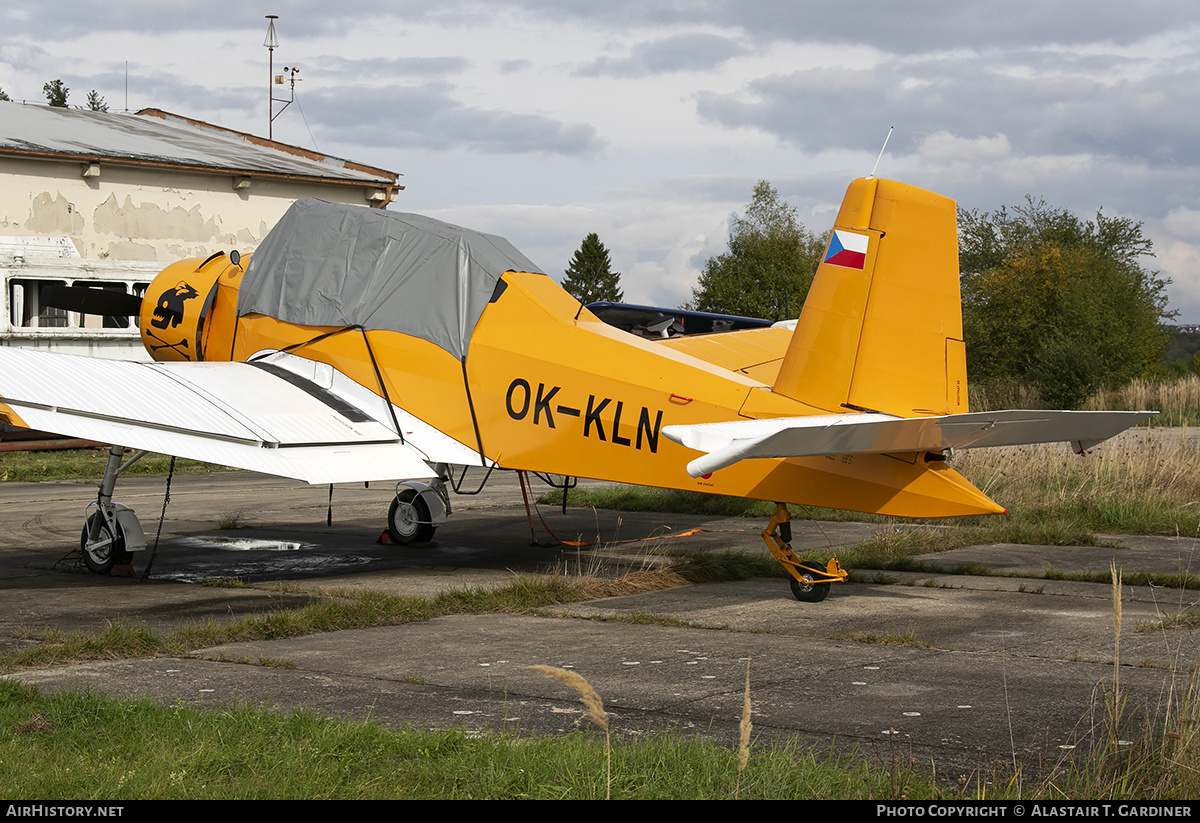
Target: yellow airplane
359	344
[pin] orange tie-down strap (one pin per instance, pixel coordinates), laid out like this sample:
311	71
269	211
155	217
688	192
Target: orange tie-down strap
578	543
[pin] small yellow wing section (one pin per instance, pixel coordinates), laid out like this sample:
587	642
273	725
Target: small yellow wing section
755	353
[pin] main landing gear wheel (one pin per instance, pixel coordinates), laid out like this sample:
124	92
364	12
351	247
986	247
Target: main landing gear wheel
107	551
408	519
809	592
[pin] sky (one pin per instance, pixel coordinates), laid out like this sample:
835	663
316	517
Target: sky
650	122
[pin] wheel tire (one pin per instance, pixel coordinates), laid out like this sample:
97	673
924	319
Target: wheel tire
408	519
810	592
101	561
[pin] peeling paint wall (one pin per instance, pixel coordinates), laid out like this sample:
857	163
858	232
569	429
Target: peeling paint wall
155	215
53	216
151	221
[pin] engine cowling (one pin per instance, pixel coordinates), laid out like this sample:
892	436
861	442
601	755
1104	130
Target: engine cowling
190	309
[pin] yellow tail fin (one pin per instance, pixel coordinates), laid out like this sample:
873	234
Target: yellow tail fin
882	326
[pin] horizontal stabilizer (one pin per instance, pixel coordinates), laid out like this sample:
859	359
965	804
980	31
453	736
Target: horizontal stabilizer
237	414
870	433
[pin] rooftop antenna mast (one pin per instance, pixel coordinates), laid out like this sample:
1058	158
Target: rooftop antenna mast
881	151
272	42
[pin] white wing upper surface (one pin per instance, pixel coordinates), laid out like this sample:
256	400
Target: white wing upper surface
268	416
873	433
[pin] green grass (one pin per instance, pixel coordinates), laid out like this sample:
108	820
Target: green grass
893	550
339	610
716	567
227	583
1054	497
629	498
232	520
85	746
898	540
1162	580
1189	619
87	464
649	619
262	660
907	639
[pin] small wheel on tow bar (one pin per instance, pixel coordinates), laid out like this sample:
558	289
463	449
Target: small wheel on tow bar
107	551
409	520
809	592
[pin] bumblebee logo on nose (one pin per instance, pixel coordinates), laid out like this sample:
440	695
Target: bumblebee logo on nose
169	311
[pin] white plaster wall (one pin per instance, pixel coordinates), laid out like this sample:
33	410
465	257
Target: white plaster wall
146	214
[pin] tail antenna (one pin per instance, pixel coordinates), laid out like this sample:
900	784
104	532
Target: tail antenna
881	151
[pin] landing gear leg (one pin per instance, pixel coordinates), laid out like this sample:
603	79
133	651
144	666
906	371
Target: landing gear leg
112	531
810	581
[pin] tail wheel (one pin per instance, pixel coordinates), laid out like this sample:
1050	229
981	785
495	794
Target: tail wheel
408	519
808	591
107	551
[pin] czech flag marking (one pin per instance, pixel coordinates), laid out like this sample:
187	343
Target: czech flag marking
847	249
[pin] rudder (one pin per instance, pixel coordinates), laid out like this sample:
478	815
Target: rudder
881	328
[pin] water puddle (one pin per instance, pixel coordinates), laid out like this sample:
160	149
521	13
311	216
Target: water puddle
243	544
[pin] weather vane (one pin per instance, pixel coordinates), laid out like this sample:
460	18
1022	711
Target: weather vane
272	42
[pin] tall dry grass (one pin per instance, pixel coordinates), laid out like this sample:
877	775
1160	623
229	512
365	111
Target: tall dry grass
1118	612
1003	394
1177	401
745	727
1143	481
1160	760
593	708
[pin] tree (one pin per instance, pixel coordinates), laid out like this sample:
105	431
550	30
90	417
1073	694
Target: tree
769	265
95	102
1059	302
4	95
56	93
589	277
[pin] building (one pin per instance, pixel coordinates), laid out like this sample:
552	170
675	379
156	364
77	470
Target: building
102	199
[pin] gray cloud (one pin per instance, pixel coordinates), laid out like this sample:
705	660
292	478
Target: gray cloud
680	52
514	66
923	25
428	117
1089	104
300	18
150	88
378	68
902	28
1052	111
912	27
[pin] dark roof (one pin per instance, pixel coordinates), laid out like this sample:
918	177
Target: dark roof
156	138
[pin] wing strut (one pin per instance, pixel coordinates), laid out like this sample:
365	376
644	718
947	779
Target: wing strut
374	365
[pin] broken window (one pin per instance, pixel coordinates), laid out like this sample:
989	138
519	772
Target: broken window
26	307
97	321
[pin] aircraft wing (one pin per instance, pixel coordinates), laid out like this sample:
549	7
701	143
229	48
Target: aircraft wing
261	416
871	433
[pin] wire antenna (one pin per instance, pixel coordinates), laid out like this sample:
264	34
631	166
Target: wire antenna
881	151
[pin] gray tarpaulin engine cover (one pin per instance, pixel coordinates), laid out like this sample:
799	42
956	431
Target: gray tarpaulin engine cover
331	265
